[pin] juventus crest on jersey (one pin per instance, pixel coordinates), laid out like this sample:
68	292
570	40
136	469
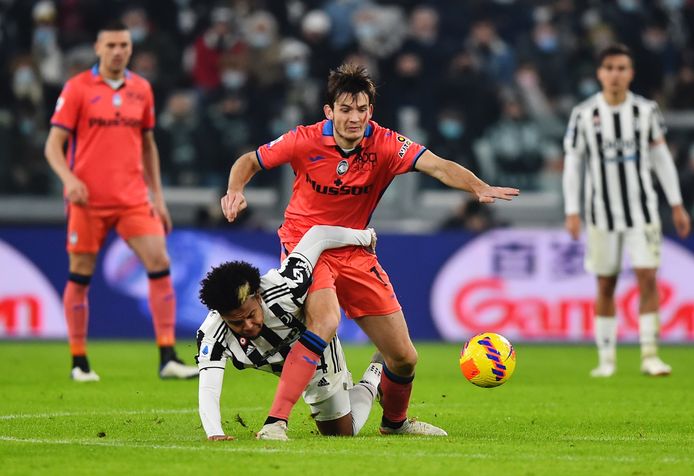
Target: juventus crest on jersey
282	295
615	140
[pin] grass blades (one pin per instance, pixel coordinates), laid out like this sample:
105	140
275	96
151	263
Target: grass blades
551	418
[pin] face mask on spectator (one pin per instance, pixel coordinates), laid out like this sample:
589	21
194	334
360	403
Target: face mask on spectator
138	33
44	36
587	87
233	79
451	128
26	126
366	31
547	42
24	79
259	40
296	70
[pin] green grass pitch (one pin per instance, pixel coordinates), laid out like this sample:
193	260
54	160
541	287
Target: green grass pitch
549	419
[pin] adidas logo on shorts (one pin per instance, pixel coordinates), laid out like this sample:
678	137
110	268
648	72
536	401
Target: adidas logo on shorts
323	383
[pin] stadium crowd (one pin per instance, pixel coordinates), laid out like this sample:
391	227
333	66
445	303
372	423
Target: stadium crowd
488	84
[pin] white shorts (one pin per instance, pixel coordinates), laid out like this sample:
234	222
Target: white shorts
328	391
605	249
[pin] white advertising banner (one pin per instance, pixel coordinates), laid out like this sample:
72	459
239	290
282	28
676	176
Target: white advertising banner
530	285
29	306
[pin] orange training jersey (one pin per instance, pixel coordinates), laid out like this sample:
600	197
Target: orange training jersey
333	187
106	127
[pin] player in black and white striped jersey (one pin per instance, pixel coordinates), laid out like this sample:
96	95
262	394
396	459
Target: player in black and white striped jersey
618	138
254	321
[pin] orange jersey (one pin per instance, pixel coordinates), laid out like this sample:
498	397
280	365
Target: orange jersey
106	127
333	187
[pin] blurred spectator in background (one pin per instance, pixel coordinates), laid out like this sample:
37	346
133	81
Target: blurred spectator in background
472	91
683	91
315	32
220	38
470	216
451	139
493	55
46	52
256	67
515	149
190	156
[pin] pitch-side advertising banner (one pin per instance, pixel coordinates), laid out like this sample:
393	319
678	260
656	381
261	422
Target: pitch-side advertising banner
530	285
29	305
526	284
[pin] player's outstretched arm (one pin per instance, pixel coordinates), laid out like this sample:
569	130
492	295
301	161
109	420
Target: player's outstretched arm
323	237
241	173
75	190
456	176
209	391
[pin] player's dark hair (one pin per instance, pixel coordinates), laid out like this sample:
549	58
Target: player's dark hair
351	79
113	25
617	49
219	290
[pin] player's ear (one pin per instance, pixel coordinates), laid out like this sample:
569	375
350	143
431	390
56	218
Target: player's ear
328	111
371	110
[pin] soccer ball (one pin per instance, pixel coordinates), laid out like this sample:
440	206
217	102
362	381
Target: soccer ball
488	360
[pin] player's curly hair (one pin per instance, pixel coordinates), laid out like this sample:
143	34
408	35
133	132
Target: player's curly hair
227	286
351	79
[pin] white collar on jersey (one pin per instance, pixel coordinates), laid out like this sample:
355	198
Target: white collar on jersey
627	101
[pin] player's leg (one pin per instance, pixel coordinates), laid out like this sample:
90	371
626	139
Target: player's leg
151	249
367	295
347	409
643	246
603	258
322	313
76	307
389	334
86	231
143	231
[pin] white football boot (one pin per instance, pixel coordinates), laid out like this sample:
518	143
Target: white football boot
414	427
655	367
273	431
79	375
604	370
174	369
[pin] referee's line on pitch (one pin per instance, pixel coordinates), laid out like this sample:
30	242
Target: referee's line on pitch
153	412
227	448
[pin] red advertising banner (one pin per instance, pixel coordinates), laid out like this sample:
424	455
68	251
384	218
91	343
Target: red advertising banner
530	285
29	306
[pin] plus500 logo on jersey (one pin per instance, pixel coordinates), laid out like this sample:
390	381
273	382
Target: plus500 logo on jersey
115	122
341	190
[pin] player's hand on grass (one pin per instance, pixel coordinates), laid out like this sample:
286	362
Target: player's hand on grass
374	238
489	194
681	220
161	209
233	203
221	438
572	223
76	191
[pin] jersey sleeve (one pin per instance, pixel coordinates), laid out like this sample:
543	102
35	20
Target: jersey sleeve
67	107
403	152
296	274
148	115
211	342
656	125
279	151
574	139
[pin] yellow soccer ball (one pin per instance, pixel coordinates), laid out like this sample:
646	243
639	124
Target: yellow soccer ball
488	360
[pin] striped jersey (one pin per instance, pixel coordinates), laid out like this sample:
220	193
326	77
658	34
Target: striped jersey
615	143
282	293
